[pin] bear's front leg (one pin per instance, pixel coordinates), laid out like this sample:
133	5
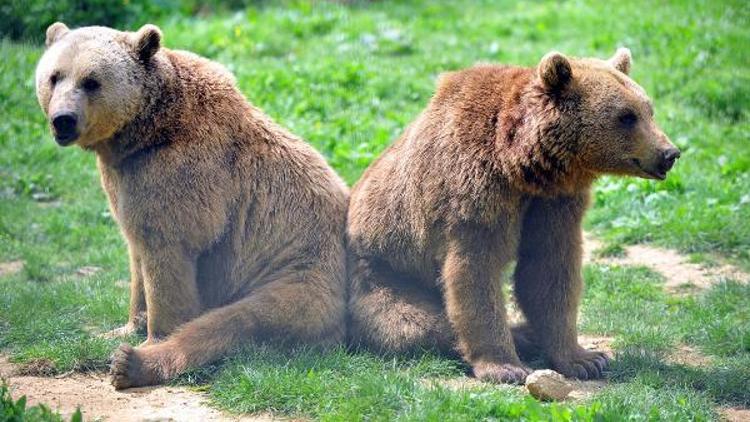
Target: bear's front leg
170	287
137	310
474	303
548	284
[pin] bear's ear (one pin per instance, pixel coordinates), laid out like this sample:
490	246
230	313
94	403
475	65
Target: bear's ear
55	32
622	60
554	71
147	41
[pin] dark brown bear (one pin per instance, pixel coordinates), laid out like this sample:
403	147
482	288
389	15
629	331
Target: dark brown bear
235	227
498	168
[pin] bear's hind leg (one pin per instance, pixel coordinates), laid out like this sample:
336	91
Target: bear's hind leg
391	318
548	285
306	307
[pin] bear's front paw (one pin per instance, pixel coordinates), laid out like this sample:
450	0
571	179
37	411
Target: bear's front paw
584	364
501	373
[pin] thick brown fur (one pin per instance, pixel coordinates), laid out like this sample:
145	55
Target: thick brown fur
235	227
498	168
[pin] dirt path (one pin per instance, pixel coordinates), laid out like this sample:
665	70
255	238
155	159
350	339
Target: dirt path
11	267
681	276
99	401
735	414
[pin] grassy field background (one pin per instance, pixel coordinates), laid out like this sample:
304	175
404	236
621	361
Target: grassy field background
349	78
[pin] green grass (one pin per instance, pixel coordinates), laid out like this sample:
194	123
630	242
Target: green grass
349	78
649	324
58	320
353	386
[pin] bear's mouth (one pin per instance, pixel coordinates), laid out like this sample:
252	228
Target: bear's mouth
65	140
658	174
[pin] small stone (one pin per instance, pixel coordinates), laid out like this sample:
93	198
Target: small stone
548	385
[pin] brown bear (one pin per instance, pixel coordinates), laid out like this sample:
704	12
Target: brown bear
498	168
235	227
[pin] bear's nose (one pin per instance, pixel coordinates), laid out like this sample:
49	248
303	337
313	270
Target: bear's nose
668	158
65	127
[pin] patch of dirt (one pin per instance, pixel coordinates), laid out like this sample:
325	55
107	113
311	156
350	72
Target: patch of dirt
602	344
11	267
7	369
735	414
590	245
97	399
681	276
690	356
513	311
583	390
87	271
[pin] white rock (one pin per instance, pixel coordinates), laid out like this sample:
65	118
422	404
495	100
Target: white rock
548	385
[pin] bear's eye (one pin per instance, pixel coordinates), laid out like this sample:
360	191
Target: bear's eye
53	79
90	84
628	119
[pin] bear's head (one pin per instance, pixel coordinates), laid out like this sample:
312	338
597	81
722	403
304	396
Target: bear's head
91	81
612	115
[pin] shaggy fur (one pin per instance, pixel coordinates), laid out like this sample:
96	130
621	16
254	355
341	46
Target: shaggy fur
498	168
235	227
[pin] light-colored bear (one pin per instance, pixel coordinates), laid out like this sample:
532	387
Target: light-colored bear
235	227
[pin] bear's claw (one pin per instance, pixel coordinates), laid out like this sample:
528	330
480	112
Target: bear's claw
502	373
585	365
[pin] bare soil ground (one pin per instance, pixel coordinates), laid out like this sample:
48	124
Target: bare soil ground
681	276
12	267
734	414
97	399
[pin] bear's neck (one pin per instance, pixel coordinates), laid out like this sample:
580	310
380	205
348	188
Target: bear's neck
540	148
